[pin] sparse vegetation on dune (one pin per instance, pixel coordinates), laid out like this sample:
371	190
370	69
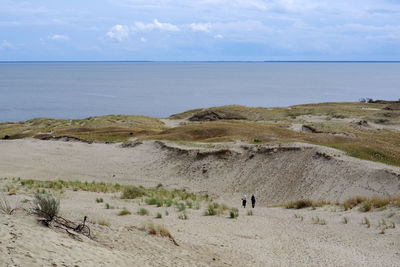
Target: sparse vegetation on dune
111	128
365	204
253	125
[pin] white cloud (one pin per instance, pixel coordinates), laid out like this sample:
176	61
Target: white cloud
200	27
143	40
6	45
219	36
156	25
58	37
118	32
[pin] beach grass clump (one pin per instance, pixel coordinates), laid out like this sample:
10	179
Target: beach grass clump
366	222
124	212
183	216
319	221
99	200
108	206
159	215
234	213
143	211
46	206
211	210
345	220
181	206
365	207
132	192
352	202
103	222
250	213
5	206
299	204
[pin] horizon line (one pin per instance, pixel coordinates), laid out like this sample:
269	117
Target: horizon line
204	61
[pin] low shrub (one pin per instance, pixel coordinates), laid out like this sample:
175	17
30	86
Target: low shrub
300	204
99	200
132	192
124	211
143	211
46	206
159	215
183	216
234	213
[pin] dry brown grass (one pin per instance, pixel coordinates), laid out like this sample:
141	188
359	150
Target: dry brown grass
105	128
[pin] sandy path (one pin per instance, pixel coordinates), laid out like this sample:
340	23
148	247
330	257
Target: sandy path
271	237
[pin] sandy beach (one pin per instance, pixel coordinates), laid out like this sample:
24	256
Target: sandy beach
271	236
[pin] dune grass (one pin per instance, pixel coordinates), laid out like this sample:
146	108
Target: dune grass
365	204
110	128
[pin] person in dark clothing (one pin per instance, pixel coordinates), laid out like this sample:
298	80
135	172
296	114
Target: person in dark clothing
244	200
253	201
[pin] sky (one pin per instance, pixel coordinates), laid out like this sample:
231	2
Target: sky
199	30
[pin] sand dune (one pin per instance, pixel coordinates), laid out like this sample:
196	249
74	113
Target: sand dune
271	237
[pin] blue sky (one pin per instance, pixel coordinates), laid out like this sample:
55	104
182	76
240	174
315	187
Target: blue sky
200	30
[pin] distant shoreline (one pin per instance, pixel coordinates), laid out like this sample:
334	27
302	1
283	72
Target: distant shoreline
194	61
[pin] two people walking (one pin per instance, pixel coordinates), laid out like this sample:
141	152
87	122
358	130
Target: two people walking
253	201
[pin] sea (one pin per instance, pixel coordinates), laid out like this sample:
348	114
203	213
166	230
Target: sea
83	89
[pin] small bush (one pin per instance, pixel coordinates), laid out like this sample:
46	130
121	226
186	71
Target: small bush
234	213
132	192
352	202
183	216
366	206
108	206
210	211
300	204
46	206
124	212
159	215
99	200
143	211
181	206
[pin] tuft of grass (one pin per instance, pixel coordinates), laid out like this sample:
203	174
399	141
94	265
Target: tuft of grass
300	204
211	210
183	216
319	221
103	223
46	206
181	206
159	215
132	192
366	222
352	202
124	211
250	212
345	220
5	206
143	211
366	206
108	206
166	213
99	200
234	213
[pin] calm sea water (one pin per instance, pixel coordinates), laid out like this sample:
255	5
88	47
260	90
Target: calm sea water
82	89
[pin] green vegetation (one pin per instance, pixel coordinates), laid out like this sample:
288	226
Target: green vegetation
366	204
234	213
111	128
254	125
5	206
143	211
99	200
159	215
319	221
183	216
345	220
124	211
46	206
250	213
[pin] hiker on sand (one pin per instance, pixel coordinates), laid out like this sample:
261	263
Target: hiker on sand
244	200
253	200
